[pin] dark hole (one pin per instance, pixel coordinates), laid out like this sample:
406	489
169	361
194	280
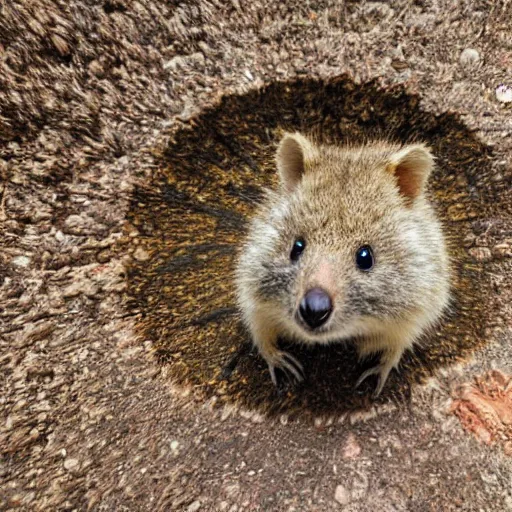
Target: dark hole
191	216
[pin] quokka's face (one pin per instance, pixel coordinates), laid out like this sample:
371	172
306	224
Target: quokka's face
331	272
326	261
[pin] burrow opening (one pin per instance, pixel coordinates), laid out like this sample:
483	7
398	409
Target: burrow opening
191	216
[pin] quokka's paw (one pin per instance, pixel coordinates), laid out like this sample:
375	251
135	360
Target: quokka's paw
382	371
285	362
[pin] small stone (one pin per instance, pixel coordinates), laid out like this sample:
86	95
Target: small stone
341	495
194	506
175	63
21	261
481	253
352	449
251	472
140	254
504	94
9	422
174	446
257	418
71	465
469	58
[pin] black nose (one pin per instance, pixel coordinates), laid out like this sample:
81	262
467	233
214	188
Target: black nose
315	308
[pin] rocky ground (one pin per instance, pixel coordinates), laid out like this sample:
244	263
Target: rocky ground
89	420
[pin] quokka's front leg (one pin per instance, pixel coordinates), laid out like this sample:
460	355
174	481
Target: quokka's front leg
392	349
265	334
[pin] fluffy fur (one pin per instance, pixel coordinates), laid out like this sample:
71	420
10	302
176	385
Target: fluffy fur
338	199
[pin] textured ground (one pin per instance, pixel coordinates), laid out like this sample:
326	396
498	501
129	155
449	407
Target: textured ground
88	92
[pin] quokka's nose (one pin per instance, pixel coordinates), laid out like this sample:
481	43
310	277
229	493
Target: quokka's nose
315	307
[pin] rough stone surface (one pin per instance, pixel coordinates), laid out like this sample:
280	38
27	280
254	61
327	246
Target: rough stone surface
87	90
341	495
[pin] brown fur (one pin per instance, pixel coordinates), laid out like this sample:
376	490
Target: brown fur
338	199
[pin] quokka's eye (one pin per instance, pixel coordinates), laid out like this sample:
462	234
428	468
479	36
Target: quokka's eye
364	258
298	248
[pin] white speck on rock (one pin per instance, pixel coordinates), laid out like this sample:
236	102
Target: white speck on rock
504	94
71	464
21	261
341	495
469	58
194	506
140	254
9	422
257	418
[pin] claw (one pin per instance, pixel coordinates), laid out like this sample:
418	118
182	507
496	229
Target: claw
371	371
287	363
382	375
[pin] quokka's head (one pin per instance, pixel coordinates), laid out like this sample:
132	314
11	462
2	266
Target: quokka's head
347	243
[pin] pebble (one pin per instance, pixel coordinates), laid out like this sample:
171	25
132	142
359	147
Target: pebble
21	261
469	58
194	506
140	254
342	495
352	448
504	94
71	464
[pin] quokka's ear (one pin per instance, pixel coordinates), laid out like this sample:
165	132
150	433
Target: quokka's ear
411	166
294	155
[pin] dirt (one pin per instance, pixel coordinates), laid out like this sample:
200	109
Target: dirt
91	94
